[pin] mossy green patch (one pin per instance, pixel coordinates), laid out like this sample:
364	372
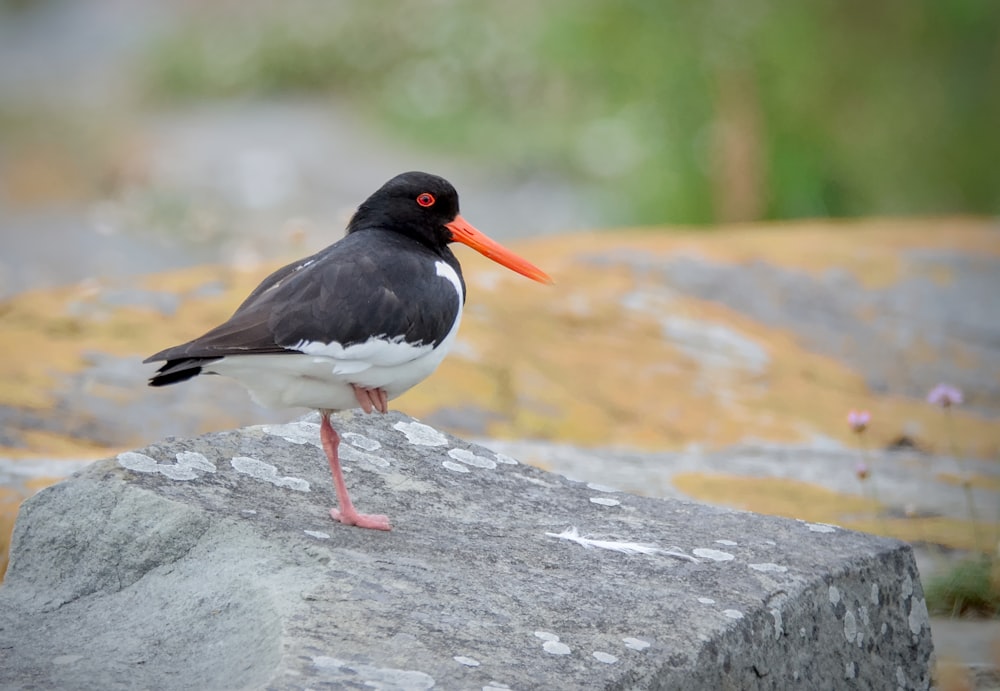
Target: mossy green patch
972	586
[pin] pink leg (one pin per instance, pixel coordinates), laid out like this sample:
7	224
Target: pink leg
347	513
371	399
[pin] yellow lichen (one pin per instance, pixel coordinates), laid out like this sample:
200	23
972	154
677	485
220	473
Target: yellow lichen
806	501
568	362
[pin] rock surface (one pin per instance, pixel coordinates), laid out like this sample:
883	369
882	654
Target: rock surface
211	563
768	333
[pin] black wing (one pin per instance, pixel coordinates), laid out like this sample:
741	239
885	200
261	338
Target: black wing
244	332
369	284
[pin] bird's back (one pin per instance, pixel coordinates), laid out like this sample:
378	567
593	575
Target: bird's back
377	309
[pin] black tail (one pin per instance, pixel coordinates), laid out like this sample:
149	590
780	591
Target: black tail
174	371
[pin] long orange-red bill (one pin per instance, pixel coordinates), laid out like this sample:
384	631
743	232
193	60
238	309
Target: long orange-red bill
464	232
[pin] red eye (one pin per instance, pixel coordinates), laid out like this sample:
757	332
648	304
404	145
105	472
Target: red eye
426	199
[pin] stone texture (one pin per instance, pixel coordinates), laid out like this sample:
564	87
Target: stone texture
211	563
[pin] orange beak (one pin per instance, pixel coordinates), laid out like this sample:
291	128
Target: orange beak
464	232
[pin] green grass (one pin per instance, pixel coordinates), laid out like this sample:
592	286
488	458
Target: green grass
832	107
972	586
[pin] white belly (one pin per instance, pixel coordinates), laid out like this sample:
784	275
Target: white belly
313	381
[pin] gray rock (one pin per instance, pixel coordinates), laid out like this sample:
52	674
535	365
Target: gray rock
829	314
212	563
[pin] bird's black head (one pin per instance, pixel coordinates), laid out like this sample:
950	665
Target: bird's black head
425	208
415	204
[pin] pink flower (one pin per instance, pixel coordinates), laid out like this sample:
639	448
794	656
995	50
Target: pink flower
945	395
862	470
858	420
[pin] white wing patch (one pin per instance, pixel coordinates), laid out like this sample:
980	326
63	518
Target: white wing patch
377	351
445	271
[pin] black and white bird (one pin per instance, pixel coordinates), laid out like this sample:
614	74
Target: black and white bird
357	323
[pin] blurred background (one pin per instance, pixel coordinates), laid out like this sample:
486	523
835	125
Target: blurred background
798	204
156	118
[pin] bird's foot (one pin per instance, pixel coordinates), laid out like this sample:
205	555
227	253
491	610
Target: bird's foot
373	521
371	399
